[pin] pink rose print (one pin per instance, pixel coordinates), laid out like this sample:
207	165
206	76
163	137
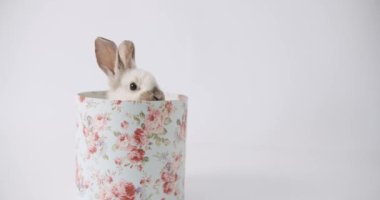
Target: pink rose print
116	105
122	142
169	175
124	191
85	131
109	179
182	127
155	120
153	114
168	187
124	124
139	137
79	179
101	121
119	191
118	161
136	155
90	129
93	139
145	181
182	130
169	180
92	149
169	106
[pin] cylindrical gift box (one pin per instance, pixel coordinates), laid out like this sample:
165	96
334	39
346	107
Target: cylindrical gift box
130	150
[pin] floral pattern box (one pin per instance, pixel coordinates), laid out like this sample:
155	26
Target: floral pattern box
130	150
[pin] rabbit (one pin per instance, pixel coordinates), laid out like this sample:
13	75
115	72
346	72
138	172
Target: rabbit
125	81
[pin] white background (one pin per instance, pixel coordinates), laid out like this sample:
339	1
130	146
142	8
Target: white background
284	95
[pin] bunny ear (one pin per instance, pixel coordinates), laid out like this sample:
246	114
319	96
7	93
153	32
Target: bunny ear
127	55
105	51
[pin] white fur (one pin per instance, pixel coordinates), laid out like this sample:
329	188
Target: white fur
144	80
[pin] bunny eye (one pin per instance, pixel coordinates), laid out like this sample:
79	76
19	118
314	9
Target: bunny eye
133	86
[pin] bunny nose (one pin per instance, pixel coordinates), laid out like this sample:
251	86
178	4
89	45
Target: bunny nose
153	95
158	95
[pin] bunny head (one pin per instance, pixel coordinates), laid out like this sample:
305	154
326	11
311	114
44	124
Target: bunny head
125	81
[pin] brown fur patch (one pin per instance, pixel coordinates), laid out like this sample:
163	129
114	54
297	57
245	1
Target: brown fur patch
153	95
